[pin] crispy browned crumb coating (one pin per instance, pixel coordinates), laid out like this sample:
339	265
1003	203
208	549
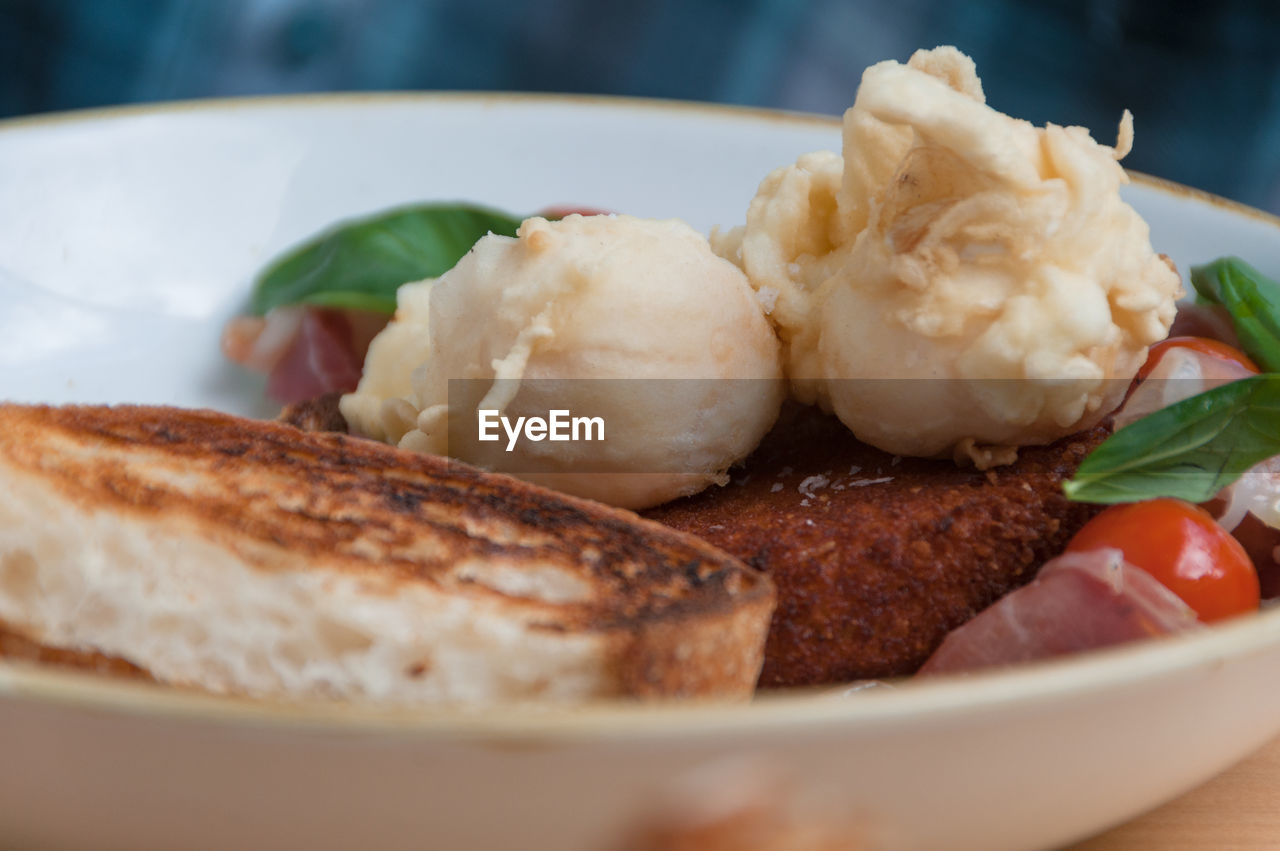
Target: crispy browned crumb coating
876	558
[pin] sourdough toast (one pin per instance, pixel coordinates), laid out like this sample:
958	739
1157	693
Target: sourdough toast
250	557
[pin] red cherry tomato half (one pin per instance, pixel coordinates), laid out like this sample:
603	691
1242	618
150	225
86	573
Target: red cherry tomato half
1181	545
1203	345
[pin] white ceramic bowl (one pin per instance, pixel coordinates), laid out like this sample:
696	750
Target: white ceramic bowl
128	236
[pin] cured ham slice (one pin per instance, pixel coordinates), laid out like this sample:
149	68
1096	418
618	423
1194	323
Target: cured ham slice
1250	510
1079	601
1204	320
320	359
259	342
1180	374
1262	542
305	351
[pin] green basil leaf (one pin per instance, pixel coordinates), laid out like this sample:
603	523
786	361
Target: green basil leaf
1191	449
360	264
1252	299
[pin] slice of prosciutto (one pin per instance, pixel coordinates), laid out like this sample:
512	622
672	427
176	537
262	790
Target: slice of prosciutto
1079	601
1205	320
1180	374
1250	510
320	359
305	351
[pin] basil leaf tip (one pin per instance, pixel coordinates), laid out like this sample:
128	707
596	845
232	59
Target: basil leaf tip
361	263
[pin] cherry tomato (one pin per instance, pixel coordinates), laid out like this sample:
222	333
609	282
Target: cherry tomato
1181	545
1203	345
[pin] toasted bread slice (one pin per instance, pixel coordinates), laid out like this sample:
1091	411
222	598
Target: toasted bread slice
249	557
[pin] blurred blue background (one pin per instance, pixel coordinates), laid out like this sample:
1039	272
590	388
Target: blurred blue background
1203	79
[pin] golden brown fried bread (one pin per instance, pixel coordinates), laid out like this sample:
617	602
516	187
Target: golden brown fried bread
875	557
249	557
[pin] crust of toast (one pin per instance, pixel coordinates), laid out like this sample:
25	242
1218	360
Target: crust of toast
21	649
661	612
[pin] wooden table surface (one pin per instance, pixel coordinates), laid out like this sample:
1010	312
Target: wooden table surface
1237	810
